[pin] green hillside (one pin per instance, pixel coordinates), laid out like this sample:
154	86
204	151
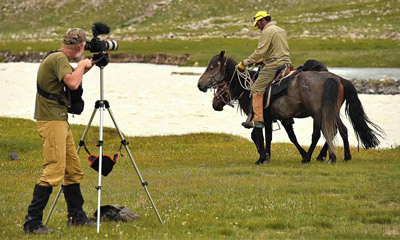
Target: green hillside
340	33
43	19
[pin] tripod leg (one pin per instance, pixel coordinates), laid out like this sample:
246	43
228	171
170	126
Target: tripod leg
100	164
144	184
77	150
53	206
86	130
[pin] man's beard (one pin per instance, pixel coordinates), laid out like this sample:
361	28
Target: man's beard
79	56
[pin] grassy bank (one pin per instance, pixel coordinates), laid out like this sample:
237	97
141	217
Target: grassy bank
206	186
332	52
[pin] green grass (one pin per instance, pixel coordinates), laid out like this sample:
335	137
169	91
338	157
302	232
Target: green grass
44	19
206	186
332	52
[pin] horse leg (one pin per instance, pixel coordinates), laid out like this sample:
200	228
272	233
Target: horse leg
288	125
343	134
268	137
332	156
331	149
315	137
322	153
258	139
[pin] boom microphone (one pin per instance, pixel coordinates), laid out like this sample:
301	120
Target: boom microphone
100	28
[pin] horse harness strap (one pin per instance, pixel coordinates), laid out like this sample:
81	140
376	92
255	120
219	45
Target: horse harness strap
223	85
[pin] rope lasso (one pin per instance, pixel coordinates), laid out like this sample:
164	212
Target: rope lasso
245	75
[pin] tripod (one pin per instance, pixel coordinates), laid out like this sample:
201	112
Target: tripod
101	60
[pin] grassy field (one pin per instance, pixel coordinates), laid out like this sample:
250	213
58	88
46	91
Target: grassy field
332	52
206	186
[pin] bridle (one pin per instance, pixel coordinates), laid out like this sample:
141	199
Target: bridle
221	88
222	93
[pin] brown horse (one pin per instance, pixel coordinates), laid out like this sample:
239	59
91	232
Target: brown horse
316	94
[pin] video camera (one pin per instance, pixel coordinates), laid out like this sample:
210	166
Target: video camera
98	45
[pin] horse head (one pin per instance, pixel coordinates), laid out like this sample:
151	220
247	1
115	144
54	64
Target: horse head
214	73
222	96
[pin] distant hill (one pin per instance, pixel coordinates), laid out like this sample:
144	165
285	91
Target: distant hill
155	19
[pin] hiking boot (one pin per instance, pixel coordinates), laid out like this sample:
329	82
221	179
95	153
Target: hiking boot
33	220
38	229
74	199
81	221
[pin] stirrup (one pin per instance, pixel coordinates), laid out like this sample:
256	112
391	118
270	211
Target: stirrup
253	124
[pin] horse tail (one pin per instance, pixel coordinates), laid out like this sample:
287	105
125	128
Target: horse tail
330	113
358	118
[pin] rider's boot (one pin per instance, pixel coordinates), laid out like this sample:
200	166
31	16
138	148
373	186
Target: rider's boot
258	109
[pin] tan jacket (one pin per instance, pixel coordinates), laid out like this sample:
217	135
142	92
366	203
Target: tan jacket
272	47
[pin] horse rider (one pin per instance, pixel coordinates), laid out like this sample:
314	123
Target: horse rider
273	48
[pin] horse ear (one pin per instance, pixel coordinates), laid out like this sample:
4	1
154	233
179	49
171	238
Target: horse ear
221	55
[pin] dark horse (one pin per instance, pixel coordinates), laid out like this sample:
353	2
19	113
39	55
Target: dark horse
311	93
222	97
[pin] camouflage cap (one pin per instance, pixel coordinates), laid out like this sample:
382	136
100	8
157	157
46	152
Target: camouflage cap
74	36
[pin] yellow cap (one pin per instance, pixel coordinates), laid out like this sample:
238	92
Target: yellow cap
259	15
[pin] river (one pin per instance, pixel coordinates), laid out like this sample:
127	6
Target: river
150	100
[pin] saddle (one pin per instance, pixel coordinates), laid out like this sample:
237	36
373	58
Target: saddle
279	85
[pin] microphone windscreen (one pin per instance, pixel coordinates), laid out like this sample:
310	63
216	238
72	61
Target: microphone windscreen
101	28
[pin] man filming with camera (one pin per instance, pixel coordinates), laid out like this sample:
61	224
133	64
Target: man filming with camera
61	161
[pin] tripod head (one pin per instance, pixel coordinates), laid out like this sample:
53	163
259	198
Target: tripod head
101	59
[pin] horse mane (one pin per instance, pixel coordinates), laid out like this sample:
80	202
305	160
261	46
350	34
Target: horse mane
236	90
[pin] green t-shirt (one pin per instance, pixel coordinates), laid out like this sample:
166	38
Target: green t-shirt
50	74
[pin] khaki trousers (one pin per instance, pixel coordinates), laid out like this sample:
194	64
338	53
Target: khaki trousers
61	160
265	77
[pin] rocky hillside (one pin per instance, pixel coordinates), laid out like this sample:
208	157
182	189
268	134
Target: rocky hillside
160	19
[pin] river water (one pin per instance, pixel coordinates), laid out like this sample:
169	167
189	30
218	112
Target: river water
150	100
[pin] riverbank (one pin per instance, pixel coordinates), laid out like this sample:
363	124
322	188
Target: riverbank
356	53
156	58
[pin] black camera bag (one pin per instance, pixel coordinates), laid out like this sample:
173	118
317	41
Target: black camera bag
76	103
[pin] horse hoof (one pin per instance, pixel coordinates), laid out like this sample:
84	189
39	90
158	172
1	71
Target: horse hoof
320	159
305	161
346	159
261	161
331	162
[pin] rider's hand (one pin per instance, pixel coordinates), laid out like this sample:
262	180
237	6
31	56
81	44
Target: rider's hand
241	66
259	62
